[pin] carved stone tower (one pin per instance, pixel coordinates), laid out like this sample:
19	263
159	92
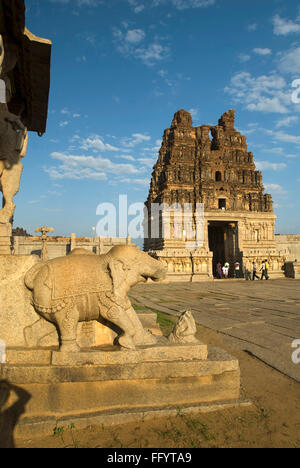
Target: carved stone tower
208	165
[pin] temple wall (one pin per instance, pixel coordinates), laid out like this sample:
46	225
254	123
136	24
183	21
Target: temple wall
249	238
61	246
289	246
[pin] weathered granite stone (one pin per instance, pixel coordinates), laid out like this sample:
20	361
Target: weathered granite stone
84	287
162	352
209	165
87	393
184	330
17	312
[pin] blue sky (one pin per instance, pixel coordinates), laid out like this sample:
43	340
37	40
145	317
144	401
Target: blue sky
122	68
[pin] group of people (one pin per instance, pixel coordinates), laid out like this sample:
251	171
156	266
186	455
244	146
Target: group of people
223	271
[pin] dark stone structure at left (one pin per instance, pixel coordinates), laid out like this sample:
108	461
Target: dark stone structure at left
24	93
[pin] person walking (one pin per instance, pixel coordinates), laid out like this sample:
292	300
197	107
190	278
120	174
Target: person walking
254	271
264	271
226	270
267	269
219	270
237	270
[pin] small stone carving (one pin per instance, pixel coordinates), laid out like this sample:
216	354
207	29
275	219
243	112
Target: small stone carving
82	288
184	330
44	230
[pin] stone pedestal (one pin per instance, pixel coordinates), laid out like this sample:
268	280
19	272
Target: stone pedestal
111	386
5	239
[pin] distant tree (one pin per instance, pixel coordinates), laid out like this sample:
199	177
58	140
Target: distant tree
20	232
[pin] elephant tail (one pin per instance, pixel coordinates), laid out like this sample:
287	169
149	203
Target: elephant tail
31	275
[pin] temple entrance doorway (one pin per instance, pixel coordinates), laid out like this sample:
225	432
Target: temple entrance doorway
223	243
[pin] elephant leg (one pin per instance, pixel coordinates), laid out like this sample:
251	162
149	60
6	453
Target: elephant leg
67	321
117	316
141	336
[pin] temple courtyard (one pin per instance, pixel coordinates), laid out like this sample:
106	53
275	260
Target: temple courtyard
260	317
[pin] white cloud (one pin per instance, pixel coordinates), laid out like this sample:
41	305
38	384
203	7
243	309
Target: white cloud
139	8
275	189
287	121
153	53
95	142
64	124
81	59
279	151
86	167
243	58
135	36
162	73
80	3
127	157
143	182
184	4
194	113
135	139
178	4
262	52
290	61
284	137
265	93
266	165
252	27
148	162
128	44
283	27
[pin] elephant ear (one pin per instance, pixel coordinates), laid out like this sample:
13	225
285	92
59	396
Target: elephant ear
117	273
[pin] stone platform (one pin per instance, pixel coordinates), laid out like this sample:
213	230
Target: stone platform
90	388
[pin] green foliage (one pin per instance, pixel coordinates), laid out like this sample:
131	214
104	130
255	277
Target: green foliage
59	431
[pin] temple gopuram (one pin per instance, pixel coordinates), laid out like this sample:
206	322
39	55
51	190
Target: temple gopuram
24	93
209	167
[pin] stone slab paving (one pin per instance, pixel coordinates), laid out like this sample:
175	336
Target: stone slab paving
261	317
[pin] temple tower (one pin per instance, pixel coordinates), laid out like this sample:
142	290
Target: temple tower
218	209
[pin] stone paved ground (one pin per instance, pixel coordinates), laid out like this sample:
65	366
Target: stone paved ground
261	317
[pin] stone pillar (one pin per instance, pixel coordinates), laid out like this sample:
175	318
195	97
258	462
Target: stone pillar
73	241
206	239
5	239
101	246
44	230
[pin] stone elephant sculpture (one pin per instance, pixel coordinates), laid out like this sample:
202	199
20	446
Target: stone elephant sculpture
84	287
